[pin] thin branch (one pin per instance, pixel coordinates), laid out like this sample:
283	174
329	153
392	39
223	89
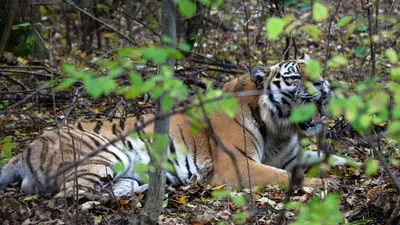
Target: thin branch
102	22
26	72
329	38
383	161
112	113
371	42
14	80
222	146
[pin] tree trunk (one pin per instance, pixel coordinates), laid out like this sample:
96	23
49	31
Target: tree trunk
155	195
24	41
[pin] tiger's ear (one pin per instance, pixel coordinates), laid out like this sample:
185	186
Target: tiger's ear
304	57
258	75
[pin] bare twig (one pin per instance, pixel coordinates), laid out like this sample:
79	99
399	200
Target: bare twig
26	72
14	80
328	39
382	160
395	212
222	146
112	113
371	42
102	22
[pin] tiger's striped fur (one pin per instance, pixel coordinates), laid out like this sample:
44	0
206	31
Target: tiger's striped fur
272	143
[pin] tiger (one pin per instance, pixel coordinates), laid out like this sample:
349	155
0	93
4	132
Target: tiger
261	138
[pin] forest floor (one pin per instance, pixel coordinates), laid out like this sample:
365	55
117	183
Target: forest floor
363	199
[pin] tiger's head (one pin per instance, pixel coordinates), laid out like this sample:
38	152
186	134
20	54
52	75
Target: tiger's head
284	88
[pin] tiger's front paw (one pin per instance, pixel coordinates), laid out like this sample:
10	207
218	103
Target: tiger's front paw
314	183
328	183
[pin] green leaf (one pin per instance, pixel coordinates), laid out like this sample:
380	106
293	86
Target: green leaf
30	197
6	152
115	72
358	51
313	69
320	12
395	73
313	31
239	200
394	128
187	7
118	168
238	217
156	55
205	2
371	167
302	113
141	169
30	41
68	68
98	219
220	193
274	27
18	26
396	111
229	107
392	56
165	203
344	20
65	84
338	60
185	47
167	103
293	205
93	87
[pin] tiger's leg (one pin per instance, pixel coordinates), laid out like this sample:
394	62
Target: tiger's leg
312	156
87	180
126	186
260	174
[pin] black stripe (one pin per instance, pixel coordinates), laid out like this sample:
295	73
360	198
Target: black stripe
188	168
287	83
80	126
30	166
255	147
255	113
195	154
97	143
288	95
277	83
276	104
285	102
98	126
278	75
106	140
287	163
44	152
122	124
248	131
130	146
115	130
243	153
186	156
